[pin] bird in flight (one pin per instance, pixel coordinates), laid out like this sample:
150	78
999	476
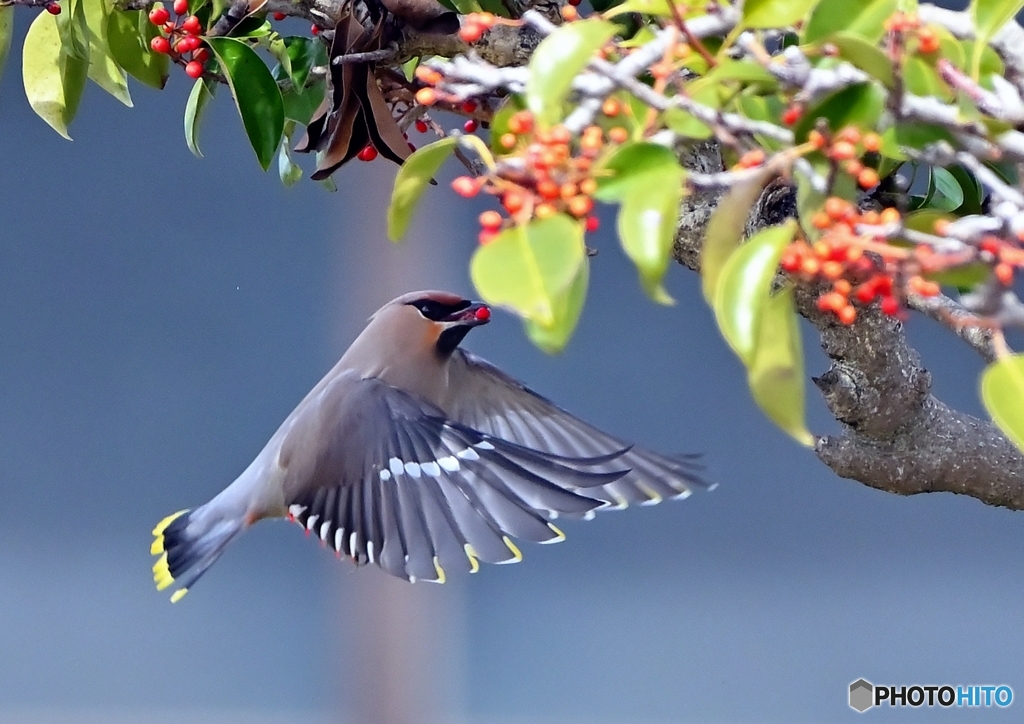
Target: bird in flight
422	458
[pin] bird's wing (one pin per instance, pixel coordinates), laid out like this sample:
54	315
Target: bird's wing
383	477
489	400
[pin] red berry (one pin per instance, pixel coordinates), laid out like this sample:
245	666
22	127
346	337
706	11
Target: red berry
421	126
194	69
890	306
367	154
490	220
471	32
279	16
593	223
159	15
315	30
792	114
574	3
169	27
466	187
180	6
192	25
470	125
201	55
160	44
469	106
53	8
482	314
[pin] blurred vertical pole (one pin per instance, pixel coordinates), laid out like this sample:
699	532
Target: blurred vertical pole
400	645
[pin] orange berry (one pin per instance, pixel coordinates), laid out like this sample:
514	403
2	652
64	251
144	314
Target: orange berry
836	208
521	122
868	178
588	186
490	220
466	187
487	20
567	190
426	96
842	151
513	201
810	266
850	134
611	108
816	139
831	270
560	134
832	302
545	211
580	206
847	314
821	220
928	41
471	32
842	286
682	50
941	226
508	141
427	75
889	216
1004	273
548	189
752	158
872	143
570	13
618	135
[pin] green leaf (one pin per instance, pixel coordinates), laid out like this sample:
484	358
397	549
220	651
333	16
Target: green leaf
566	308
128	36
658	8
858	105
991	15
948	195
864	55
202	93
861	18
628	167
647	226
725	229
776	376
54	80
287	169
1002	392
744	286
922	79
557	60
6	30
527	268
73	29
685	124
974	194
103	69
256	95
301	106
745	71
296	56
775	13
412	179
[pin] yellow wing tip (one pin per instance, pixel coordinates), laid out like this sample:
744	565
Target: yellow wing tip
441	577
560	536
162	525
162	573
474	564
178	595
517	554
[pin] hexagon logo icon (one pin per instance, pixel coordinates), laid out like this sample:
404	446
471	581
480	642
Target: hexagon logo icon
861	695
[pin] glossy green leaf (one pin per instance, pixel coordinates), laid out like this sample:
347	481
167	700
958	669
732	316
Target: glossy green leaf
256	95
627	169
527	268
864	55
922	79
726	228
775	13
557	60
776	376
948	195
744	285
658	8
566	308
745	71
862	18
287	169
858	105
296	56
202	93
647	227
6	30
974	194
685	124
1002	392
73	29
53	80
128	36
300	107
991	15
412	179
103	69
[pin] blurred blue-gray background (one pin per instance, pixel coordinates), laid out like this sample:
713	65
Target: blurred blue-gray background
160	315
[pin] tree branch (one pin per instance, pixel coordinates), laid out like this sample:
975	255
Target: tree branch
897	436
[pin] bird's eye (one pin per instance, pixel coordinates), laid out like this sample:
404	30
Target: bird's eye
437	311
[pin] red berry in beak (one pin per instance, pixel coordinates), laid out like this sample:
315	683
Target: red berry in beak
482	314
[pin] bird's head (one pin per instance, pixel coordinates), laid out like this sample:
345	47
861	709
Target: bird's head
445	319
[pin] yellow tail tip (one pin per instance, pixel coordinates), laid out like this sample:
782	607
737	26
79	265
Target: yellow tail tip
178	595
162	573
157	546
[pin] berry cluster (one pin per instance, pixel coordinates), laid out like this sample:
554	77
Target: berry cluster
847	149
551	173
859	267
180	37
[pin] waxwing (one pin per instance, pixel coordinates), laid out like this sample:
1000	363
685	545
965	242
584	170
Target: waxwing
422	458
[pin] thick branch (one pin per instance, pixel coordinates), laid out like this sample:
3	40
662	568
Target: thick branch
896	435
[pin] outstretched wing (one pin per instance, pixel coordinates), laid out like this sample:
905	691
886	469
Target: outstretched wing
488	400
391	481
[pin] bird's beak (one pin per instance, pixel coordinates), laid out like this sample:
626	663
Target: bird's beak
474	315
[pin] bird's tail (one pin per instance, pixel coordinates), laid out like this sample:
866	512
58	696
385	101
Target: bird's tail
188	542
